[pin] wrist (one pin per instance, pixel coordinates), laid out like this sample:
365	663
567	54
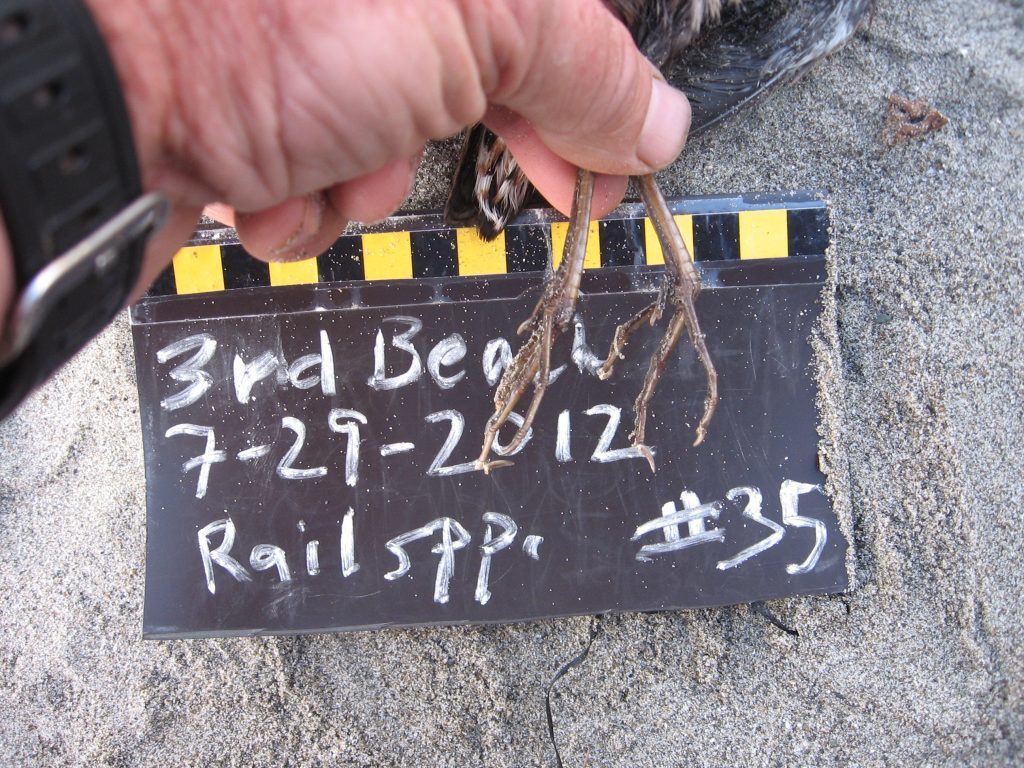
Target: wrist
140	38
187	80
136	35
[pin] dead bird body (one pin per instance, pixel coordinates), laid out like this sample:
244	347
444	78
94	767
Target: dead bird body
724	54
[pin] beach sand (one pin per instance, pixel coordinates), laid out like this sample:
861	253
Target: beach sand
922	372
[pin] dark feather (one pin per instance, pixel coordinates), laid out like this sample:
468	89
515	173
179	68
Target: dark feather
662	28
725	54
489	189
764	44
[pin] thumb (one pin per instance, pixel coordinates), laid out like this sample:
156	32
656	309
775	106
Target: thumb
588	92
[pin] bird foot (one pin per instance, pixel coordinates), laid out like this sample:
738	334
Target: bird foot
531	365
680	289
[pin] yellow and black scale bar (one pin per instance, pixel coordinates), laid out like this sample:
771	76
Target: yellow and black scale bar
764	233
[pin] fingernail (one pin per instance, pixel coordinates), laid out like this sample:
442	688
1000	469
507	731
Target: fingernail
665	127
307	229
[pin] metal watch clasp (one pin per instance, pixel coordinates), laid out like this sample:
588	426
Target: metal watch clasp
95	254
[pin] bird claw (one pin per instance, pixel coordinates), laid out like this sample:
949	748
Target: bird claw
648	454
487	466
650	314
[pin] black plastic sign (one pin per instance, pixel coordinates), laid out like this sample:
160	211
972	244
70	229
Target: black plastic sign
309	455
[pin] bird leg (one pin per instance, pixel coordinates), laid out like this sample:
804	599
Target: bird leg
681	286
551	316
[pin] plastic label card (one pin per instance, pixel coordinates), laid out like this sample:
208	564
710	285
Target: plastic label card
310	429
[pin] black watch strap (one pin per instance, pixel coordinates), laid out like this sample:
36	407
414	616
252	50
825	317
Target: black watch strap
70	192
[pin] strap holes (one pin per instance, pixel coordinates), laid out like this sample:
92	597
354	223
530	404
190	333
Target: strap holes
47	95
13	27
90	216
74	160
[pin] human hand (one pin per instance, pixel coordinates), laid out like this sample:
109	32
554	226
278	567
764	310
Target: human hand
306	114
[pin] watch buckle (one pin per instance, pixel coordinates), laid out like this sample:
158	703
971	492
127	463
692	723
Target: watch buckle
95	254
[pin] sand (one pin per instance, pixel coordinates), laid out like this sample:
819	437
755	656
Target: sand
923	381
